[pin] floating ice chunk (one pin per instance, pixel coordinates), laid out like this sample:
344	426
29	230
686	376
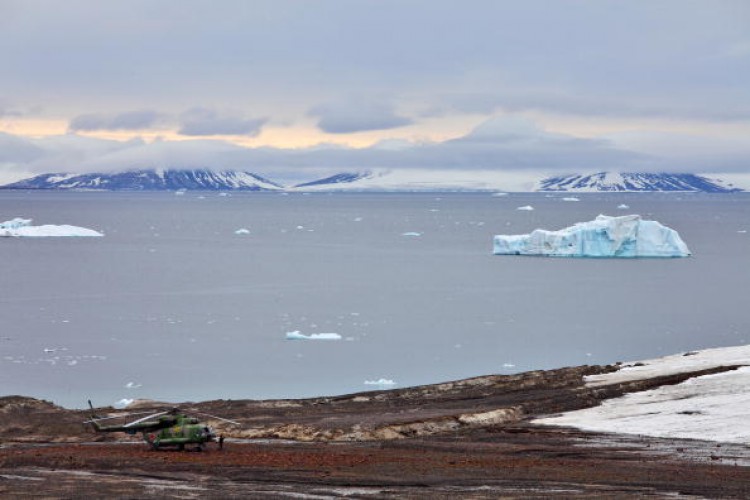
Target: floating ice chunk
358	219
622	206
132	385
527	208
296	335
123	403
508	365
499	194
382	382
72	362
742	231
242	231
15	223
22	228
571	198
626	236
411	233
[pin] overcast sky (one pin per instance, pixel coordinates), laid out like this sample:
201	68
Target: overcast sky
305	86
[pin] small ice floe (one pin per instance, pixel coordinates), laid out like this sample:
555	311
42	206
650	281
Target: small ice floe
296	335
72	362
19	227
499	194
358	219
742	231
123	403
508	365
411	233
223	194
381	382
179	192
132	385
242	231
571	198
50	349
526	208
622	206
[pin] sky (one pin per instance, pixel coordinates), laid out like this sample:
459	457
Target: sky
301	89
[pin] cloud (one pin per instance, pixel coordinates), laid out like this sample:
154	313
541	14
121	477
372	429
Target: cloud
207	122
282	58
499	144
357	115
131	120
17	150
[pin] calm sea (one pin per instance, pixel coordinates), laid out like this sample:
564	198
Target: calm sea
173	305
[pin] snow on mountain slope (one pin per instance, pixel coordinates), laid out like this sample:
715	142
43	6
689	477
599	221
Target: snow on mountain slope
634	182
150	180
414	180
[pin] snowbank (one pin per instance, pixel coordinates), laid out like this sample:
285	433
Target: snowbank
296	335
625	236
713	407
23	227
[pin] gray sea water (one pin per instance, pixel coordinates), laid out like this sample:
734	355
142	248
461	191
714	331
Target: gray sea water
173	305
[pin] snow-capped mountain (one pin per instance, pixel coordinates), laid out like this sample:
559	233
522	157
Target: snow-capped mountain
343	178
635	182
400	180
423	180
151	180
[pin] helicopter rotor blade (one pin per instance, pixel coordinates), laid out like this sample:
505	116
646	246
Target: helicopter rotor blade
217	418
134	422
121	415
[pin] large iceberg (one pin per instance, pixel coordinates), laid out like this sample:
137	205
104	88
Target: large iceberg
626	236
23	227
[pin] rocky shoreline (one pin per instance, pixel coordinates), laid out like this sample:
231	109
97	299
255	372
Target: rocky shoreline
471	438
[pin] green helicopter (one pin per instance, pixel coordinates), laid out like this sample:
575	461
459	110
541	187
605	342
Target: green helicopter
169	428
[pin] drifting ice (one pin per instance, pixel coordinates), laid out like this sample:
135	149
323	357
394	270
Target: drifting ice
626	236
296	335
383	382
23	227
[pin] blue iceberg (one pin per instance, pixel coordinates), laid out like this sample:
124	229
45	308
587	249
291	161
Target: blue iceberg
619	237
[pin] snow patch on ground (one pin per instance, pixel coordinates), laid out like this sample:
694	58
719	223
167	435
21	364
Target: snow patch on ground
712	407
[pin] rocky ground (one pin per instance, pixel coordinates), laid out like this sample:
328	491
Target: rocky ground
468	438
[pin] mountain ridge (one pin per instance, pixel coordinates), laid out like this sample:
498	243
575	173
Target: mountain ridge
380	181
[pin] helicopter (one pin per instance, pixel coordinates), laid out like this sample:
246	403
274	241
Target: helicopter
164	429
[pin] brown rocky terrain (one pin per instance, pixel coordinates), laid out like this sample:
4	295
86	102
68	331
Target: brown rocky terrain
468	438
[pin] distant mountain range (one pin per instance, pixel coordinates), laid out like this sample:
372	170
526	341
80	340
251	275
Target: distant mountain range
414	180
151	180
635	182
